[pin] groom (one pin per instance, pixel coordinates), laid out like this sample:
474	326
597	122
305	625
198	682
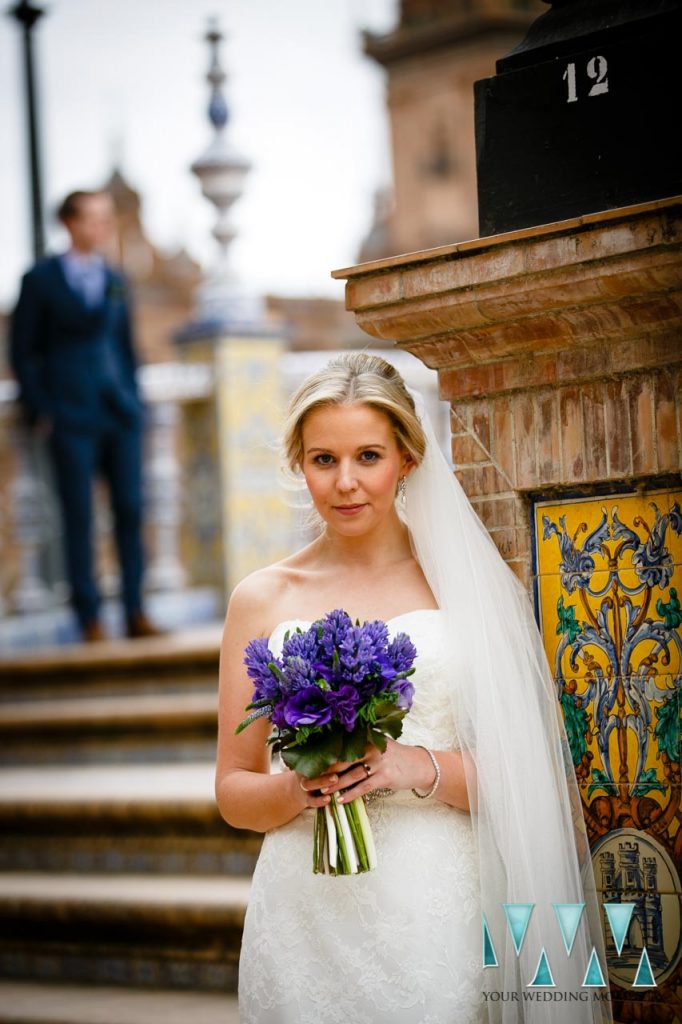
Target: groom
71	349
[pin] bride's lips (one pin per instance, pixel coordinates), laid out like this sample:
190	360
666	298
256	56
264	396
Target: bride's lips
349	510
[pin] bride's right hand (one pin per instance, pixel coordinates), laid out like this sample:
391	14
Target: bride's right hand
309	792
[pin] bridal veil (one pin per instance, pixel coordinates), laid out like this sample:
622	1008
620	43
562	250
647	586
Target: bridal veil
526	809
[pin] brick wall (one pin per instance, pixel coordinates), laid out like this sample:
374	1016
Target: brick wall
539	438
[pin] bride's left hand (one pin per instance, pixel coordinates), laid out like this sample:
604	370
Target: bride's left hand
400	767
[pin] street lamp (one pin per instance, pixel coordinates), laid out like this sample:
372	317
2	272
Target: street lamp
27	14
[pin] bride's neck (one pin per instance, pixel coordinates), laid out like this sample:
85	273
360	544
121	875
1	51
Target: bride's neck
375	549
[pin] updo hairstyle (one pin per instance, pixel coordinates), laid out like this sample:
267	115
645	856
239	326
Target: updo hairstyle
355	377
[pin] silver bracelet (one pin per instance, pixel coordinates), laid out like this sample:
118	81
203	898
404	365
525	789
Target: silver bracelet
377	794
436	781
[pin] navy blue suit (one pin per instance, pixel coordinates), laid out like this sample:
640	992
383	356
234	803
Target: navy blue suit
76	366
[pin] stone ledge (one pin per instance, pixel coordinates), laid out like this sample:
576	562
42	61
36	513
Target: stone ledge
78	895
175	783
111	714
34	1003
507	237
613	275
199	646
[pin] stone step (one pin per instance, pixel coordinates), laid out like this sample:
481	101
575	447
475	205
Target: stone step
121	727
165	932
176	661
160	819
30	1003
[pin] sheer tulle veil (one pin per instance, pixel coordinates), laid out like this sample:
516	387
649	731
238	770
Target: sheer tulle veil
527	818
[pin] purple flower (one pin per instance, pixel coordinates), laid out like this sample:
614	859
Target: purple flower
278	715
302	645
405	690
298	673
360	651
335	627
308	706
344	703
401	652
258	657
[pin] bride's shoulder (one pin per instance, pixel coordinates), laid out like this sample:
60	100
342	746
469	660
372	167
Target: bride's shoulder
258	598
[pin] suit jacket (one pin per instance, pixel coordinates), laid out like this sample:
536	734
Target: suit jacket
74	364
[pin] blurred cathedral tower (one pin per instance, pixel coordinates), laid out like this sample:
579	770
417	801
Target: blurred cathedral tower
432	58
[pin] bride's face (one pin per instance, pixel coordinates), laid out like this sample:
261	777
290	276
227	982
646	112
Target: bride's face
352	463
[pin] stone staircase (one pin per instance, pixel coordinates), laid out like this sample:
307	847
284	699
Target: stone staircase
121	888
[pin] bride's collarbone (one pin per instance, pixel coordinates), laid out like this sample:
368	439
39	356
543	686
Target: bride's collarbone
370	616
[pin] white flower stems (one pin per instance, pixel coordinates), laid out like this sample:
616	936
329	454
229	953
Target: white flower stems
342	839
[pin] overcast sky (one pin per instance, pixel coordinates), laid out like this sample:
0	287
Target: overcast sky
124	81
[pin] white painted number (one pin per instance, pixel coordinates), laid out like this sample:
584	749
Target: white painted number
596	70
569	76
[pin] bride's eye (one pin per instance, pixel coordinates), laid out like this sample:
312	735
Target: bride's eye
369	456
324	459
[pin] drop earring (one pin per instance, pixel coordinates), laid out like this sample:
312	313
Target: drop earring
401	489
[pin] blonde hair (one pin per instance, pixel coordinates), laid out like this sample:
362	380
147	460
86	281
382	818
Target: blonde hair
355	377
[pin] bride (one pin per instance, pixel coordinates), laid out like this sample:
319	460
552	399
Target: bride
474	806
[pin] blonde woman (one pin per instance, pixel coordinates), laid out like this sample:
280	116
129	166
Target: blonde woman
453	802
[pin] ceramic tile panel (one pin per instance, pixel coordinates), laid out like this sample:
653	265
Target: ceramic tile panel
607	572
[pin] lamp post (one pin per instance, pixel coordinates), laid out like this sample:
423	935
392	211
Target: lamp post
27	14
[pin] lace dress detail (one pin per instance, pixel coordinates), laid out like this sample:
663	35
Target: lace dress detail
400	944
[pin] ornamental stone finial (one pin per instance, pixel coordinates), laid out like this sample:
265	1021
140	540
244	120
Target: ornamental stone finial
221	171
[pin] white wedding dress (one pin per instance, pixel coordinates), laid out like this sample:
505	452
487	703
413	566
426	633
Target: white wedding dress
400	944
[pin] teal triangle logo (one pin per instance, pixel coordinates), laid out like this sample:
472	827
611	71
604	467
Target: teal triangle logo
645	976
543	974
619	915
489	956
568	915
594	976
518	916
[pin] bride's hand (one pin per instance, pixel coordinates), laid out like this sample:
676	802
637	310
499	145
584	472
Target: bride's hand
400	767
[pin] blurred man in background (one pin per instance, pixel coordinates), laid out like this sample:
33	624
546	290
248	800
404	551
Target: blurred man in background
72	350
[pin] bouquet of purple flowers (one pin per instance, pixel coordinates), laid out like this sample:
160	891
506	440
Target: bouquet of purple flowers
336	688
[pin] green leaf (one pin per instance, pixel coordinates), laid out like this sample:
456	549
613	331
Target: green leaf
282	738
378	739
354	744
391	722
263	702
314	756
648	781
601	781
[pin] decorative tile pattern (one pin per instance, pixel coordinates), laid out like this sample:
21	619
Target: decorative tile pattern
608	576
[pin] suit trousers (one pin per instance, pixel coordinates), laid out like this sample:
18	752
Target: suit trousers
113	450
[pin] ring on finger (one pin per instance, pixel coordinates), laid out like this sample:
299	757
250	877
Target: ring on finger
368	768
300	782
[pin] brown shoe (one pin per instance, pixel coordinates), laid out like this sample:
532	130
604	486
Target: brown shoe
93	632
139	625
